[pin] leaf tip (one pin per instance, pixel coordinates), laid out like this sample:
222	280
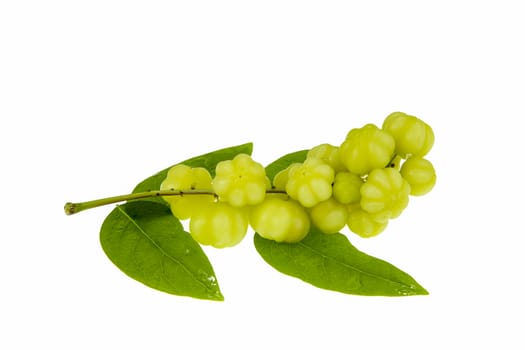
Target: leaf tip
423	291
413	289
217	296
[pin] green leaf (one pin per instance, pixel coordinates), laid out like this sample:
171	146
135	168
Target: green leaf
149	244
282	163
332	262
208	161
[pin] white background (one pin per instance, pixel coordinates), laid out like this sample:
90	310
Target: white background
97	95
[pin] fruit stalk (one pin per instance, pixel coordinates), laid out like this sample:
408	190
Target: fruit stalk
73	208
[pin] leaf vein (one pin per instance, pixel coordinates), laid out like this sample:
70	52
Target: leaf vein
350	266
164	253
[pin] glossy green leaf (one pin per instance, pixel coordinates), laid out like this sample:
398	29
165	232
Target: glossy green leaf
208	161
146	242
282	163
332	262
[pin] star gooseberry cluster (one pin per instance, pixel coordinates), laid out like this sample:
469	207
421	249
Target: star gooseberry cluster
362	184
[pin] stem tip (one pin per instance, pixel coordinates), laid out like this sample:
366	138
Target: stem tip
70	208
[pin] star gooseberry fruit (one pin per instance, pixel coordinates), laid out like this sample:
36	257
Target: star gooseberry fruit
366	148
346	187
420	174
182	177
219	225
413	137
240	181
281	220
385	194
310	182
363	223
329	216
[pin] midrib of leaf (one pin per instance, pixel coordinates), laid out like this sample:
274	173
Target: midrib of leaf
348	266
160	249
